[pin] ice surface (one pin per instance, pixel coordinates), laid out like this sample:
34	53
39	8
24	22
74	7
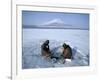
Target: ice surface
33	38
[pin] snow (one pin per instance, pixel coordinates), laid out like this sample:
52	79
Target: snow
59	21
33	38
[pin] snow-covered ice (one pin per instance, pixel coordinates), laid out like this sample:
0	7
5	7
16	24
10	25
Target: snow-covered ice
33	38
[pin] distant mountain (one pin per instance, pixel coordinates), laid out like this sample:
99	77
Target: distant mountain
54	24
54	21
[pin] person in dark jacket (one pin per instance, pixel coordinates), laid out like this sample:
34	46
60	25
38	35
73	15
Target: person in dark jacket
66	54
45	49
67	51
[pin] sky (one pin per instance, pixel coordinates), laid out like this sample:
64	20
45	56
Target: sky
80	20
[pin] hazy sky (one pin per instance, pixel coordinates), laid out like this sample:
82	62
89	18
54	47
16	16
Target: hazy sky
37	18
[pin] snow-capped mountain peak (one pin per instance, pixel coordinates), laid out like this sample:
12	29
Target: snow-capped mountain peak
54	21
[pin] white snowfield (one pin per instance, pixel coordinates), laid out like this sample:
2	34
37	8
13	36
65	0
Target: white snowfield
34	38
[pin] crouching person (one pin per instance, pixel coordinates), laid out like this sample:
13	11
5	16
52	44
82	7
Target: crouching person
66	53
45	51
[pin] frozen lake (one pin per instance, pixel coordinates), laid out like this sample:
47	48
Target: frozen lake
33	38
